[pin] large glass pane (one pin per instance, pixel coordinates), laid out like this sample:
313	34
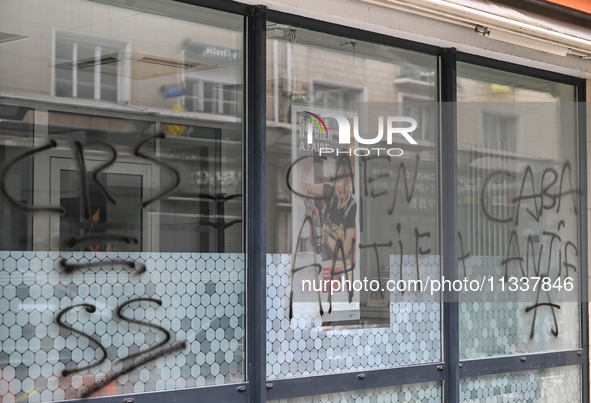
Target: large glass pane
518	213
559	385
122	250
352	215
418	392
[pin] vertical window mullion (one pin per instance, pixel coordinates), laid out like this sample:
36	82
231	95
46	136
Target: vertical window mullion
583	228
256	191
449	224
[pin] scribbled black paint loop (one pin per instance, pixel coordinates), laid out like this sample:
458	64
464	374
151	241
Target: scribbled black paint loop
177	176
418	249
303	196
295	269
120	315
568	265
573	191
340	248
319	267
80	154
113	376
409	192
462	257
14	202
83	184
375	247
349	175
528	172
483	195
90	309
364	179
546	188
529	308
517	258
130	264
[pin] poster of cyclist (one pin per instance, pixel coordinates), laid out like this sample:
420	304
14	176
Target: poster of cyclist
325	219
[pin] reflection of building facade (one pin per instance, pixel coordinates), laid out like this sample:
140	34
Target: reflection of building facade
129	186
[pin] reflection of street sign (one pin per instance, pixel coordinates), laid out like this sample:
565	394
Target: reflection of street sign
176	130
176	91
213	52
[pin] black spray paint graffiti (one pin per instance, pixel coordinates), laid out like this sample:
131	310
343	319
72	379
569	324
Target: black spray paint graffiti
333	272
135	360
339	243
81	163
177	176
462	256
375	247
146	356
114	375
13	201
544	194
129	362
82	172
331	179
548	198
402	173
90	309
128	264
366	181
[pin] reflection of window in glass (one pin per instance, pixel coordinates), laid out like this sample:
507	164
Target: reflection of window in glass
424	113
415	74
499	131
79	60
211	97
335	96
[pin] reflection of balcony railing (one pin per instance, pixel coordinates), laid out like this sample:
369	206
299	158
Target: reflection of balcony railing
413	77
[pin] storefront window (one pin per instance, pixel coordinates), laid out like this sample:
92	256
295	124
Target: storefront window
130	137
518	213
122	265
345	204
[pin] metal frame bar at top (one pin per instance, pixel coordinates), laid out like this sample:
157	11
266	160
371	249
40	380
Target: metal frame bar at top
517	68
221	5
348	32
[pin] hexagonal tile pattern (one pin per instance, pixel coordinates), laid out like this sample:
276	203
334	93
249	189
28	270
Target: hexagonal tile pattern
506	322
553	385
202	304
303	346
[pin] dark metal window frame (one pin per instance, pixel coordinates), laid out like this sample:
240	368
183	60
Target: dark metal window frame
257	388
